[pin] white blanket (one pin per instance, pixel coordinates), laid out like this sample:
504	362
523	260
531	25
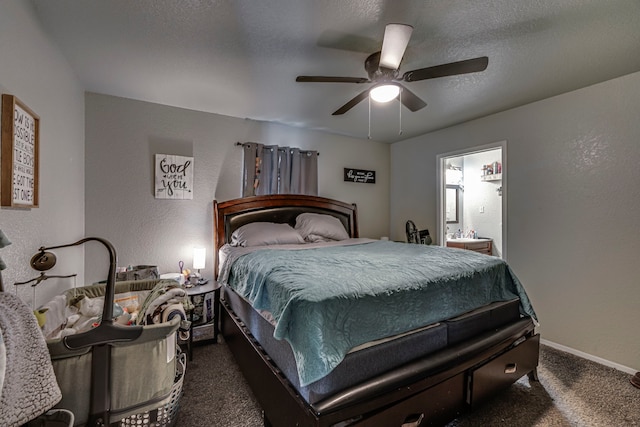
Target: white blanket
29	387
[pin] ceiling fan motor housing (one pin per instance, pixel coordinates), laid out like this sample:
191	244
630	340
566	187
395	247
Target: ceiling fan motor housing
376	72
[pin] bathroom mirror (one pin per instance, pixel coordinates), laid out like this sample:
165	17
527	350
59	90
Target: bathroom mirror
451	202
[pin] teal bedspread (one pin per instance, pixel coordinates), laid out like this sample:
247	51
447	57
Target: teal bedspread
327	300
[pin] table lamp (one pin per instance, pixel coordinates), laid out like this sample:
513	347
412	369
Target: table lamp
199	255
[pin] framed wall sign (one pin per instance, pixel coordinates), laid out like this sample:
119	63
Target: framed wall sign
359	175
174	177
20	159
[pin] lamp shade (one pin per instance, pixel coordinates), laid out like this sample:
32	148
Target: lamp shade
199	255
384	93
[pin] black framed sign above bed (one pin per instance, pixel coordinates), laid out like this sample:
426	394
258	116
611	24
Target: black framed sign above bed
359	175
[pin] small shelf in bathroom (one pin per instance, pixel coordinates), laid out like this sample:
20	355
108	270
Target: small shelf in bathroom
493	177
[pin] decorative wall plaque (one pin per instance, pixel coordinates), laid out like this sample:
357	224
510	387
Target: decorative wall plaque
20	161
360	175
174	177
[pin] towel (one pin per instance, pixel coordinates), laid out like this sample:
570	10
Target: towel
29	387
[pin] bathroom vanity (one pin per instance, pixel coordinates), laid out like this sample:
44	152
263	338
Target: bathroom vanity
483	246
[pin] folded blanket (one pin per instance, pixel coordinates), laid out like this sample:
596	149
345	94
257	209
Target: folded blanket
30	387
165	293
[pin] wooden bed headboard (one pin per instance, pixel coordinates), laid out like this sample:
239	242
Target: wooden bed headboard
279	208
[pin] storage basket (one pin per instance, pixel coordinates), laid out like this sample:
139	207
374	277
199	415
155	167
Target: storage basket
139	272
166	414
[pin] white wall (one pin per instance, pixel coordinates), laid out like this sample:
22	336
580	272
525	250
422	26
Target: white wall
573	207
122	136
33	70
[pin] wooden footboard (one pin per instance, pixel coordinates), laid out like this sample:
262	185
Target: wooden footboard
429	391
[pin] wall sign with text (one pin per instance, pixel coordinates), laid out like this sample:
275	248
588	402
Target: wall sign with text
359	175
20	166
174	177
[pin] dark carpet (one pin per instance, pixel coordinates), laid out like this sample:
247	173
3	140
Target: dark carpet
572	392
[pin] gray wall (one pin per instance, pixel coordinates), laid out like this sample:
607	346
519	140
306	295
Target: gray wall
573	207
32	69
123	135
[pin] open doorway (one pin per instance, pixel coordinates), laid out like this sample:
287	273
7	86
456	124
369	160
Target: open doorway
472	199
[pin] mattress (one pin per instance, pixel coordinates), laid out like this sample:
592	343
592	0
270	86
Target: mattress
329	300
374	358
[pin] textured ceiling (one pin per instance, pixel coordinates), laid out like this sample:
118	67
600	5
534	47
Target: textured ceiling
241	57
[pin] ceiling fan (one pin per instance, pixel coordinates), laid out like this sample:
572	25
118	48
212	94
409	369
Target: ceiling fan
383	70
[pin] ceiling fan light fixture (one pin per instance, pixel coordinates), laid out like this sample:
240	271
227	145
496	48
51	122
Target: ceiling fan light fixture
384	93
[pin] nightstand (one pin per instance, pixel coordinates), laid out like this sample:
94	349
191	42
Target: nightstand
210	314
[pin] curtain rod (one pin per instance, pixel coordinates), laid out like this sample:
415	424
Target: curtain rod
242	143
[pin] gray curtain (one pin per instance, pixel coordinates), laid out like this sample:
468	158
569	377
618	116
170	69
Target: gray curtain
269	169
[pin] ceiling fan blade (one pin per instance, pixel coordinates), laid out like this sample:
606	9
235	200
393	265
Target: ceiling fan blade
352	103
396	39
411	100
326	79
444	70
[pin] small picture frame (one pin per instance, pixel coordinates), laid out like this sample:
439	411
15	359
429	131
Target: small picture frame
19	170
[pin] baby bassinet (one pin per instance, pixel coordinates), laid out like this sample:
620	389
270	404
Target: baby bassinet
142	382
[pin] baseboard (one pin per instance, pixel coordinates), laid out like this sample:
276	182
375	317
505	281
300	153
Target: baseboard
588	356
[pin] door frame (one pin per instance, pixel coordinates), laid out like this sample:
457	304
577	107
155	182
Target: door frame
441	184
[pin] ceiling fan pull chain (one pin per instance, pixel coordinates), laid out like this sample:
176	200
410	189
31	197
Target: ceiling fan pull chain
400	113
369	134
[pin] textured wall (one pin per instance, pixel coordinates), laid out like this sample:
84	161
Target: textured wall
123	135
573	206
32	69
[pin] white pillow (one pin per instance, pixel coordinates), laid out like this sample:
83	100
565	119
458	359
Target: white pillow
265	233
315	227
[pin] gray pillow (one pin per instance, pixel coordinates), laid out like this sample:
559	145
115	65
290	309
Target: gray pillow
265	233
315	227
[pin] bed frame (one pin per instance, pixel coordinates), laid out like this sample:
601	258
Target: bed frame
428	391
